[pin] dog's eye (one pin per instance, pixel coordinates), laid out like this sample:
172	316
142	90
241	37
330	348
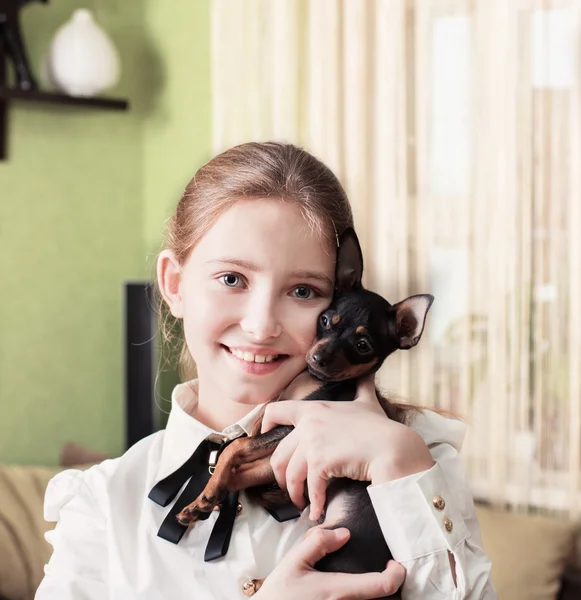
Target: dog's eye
363	346
325	321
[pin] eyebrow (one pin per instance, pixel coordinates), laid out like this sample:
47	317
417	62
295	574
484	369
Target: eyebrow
299	274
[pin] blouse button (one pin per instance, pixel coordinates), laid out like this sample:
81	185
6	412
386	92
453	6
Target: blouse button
238	508
448	525
439	502
249	587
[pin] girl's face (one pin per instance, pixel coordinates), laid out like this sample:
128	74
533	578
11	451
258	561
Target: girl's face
251	292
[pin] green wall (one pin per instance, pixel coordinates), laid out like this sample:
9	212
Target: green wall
177	131
83	196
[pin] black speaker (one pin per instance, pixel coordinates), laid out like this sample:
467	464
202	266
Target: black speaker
140	361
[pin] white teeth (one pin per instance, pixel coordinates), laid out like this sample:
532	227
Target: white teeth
249	357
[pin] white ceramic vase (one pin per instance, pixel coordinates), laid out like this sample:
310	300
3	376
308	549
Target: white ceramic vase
83	60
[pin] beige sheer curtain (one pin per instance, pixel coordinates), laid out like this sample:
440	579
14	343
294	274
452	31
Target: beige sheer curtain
455	128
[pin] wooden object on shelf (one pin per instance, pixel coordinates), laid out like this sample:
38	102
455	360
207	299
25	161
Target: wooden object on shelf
13	43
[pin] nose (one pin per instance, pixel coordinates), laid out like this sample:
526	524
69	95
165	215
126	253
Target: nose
318	360
261	319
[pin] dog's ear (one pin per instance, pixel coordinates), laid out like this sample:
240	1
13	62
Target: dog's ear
349	268
410	318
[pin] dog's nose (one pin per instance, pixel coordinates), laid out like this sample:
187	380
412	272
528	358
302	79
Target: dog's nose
318	360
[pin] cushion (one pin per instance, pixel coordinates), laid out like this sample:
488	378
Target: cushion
23	549
73	455
528	553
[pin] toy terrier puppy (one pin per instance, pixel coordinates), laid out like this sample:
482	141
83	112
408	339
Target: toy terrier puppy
354	336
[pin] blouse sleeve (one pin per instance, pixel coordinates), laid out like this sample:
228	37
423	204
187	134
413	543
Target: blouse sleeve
78	566
430	525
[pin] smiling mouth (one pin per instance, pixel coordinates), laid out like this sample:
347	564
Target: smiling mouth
254	358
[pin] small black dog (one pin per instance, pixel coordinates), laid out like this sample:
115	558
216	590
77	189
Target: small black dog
354	336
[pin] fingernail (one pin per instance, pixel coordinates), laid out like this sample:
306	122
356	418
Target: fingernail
342	533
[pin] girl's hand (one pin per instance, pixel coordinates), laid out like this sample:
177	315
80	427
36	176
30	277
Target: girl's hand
341	439
295	577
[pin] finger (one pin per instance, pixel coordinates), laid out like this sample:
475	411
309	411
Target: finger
317	489
372	585
296	475
281	457
280	413
318	544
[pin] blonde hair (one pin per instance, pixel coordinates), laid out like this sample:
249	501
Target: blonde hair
251	171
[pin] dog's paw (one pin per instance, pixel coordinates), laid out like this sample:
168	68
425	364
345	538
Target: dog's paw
196	510
190	514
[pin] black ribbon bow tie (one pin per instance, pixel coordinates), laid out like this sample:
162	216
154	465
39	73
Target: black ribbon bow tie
198	470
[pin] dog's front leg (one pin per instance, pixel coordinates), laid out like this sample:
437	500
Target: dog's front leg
241	451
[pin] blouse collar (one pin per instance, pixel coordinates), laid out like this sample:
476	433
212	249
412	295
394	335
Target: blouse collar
184	433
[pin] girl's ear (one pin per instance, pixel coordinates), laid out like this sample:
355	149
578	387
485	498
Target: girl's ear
168	279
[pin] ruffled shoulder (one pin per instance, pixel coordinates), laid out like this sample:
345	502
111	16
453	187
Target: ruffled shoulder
61	489
438	429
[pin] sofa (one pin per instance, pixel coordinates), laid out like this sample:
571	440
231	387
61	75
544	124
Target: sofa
533	557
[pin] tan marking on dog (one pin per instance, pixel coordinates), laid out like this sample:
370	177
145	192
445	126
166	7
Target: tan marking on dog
333	515
355	371
320	344
361	330
335	318
316	348
258	472
240	451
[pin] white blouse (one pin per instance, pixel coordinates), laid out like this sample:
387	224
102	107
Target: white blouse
105	543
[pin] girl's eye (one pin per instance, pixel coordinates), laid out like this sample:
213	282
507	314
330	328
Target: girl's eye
303	292
363	346
230	280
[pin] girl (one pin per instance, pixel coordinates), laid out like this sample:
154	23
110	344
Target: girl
248	267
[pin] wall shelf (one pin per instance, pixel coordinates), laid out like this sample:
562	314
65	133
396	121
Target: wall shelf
56	98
